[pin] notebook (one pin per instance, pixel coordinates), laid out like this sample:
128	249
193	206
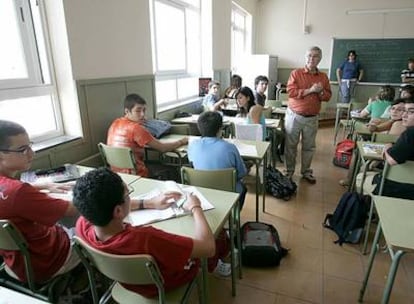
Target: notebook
65	173
376	149
147	216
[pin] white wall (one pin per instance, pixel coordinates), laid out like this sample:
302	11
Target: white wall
279	26
109	38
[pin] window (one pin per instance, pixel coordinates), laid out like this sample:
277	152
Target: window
27	92
176	49
241	24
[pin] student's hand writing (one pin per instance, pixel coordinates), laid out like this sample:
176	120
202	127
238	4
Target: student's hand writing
192	202
55	187
163	201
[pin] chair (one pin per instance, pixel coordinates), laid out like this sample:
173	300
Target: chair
11	239
224	179
119	157
401	173
137	269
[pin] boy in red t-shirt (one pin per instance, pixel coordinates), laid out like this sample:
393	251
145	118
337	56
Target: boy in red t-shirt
103	200
34	213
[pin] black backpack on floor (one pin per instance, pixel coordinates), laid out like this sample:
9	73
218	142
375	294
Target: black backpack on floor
348	219
279	185
261	245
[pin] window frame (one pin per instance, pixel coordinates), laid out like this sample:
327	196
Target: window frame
245	31
178	74
36	85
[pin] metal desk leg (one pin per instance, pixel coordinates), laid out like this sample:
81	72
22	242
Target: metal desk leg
370	263
204	271
338	110
356	170
391	276
236	217
264	182
232	255
257	162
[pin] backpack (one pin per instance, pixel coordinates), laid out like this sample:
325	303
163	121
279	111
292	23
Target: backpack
348	219
343	153
261	245
279	185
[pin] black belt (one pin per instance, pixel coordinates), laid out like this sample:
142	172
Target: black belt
304	115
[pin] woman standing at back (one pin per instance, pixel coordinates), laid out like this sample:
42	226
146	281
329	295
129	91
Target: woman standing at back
235	85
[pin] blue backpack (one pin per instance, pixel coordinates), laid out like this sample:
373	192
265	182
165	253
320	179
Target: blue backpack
348	219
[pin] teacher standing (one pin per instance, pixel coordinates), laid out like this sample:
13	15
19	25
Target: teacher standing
348	74
307	87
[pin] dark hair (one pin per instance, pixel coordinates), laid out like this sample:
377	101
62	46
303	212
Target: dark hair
246	91
236	81
411	60
408	88
409	100
386	92
397	101
8	129
260	78
352	52
133	99
209	123
97	193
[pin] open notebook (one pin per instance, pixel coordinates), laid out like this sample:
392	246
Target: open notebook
147	216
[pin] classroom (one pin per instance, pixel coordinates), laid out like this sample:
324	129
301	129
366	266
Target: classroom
73	81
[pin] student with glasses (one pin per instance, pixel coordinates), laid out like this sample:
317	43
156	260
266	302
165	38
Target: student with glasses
34	213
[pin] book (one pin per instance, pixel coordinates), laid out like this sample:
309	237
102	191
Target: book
376	149
148	216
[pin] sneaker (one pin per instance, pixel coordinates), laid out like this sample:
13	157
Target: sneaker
309	178
223	269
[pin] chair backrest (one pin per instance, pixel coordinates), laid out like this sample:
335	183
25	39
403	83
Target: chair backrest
120	157
137	269
283	96
273	103
267	112
223	179
12	239
384	138
401	173
249	131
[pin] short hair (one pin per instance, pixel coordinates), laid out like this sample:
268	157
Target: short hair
236	81
213	82
411	60
316	49
209	123
246	91
133	99
409	89
260	78
397	101
386	92
352	52
409	100
8	129
97	193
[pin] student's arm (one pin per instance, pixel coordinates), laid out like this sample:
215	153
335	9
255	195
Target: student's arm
217	106
255	113
382	126
165	147
388	158
203	242
162	201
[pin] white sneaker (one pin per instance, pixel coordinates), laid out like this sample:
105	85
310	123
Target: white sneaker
223	269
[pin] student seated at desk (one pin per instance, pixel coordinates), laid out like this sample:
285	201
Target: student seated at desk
128	131
249	109
103	200
212	101
400	152
34	213
235	85
211	152
376	108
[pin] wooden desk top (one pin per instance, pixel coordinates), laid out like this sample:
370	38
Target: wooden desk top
396	219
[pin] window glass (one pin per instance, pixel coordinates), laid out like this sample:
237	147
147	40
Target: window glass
187	87
166	91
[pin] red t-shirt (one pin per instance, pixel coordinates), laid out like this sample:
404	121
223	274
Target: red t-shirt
126	133
35	214
172	252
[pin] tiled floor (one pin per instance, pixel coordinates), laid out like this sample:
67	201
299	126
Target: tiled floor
316	270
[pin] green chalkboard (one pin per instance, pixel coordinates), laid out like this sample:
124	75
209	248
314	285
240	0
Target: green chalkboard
382	59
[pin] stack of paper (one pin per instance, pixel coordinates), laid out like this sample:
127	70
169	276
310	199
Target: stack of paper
377	149
147	216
